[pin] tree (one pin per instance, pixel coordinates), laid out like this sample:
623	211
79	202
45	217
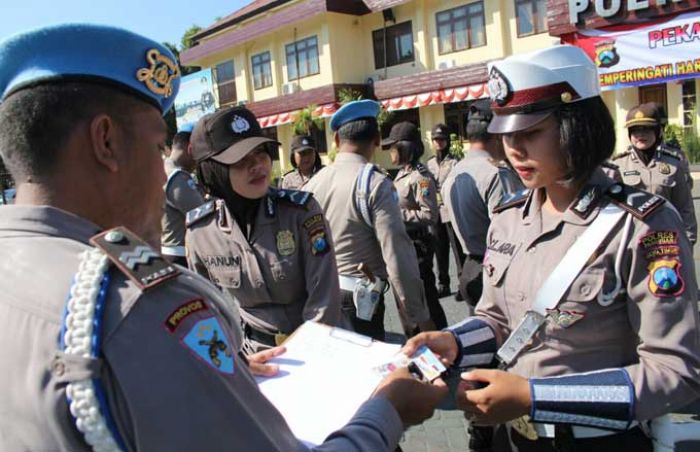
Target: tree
187	38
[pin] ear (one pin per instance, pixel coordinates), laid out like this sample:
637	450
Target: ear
336	138
104	138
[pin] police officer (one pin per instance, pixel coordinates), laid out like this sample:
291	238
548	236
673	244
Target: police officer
269	248
147	352
440	166
651	164
478	183
361	205
182	194
604	338
416	189
305	160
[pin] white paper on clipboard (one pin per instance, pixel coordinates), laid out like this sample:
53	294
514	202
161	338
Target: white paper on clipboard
325	375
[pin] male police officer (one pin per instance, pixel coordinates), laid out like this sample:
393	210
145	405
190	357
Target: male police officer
146	356
477	184
655	166
181	195
440	167
362	209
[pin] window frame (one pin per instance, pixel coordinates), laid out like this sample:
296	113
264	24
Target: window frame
379	33
261	63
468	15
228	83
535	29
689	98
294	46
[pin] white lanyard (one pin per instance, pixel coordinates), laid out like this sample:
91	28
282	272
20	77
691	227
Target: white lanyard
553	289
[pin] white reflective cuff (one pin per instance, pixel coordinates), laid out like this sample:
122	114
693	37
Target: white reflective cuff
547	431
482	359
581	393
566	418
178	251
476	336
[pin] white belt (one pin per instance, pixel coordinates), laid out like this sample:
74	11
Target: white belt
348	282
547	430
178	251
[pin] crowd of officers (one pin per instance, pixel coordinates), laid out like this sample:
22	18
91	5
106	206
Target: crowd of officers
112	346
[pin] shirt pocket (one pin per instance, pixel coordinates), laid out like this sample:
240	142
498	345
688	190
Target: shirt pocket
632	179
229	278
495	267
283	281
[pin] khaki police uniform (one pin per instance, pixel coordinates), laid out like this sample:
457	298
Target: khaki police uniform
282	275
419	209
181	195
294	180
667	174
440	171
385	248
163	394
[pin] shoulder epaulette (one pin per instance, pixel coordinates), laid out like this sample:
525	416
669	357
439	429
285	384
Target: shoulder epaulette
639	203
513	199
200	212
135	258
288	172
610	165
424	171
295	197
619	155
671	152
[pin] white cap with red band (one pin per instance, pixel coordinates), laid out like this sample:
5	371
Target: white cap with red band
526	88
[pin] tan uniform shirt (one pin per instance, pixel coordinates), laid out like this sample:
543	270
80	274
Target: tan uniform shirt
294	180
162	395
650	330
471	192
181	195
284	275
440	171
386	249
417	198
667	174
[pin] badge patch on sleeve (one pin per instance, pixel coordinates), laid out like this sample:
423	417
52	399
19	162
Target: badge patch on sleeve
184	311
424	185
319	242
207	339
664	278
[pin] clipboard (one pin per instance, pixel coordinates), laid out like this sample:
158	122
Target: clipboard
324	377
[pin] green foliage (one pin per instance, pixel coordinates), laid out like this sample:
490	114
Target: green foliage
186	41
346	95
685	137
456	146
305	121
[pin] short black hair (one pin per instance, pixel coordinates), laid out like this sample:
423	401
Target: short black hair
181	140
36	122
477	131
361	131
587	136
409	150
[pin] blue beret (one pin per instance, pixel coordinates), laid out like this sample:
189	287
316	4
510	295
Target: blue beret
90	52
186	128
352	111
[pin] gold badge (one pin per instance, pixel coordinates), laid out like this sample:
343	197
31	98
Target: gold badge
664	168
285	243
523	426
639	115
159	77
567	97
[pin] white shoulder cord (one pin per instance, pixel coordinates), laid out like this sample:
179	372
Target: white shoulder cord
606	299
78	337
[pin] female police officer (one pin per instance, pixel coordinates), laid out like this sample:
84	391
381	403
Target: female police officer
305	160
417	193
596	334
269	248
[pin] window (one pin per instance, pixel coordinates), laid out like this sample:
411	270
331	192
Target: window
654	93
531	16
262	70
456	118
302	58
461	28
226	83
689	103
399	45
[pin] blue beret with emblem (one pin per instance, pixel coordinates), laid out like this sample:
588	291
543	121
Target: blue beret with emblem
74	52
352	111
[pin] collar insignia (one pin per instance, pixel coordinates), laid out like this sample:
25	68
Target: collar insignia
160	75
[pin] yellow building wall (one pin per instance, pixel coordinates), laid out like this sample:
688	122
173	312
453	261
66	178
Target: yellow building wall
349	60
624	100
429	117
674	100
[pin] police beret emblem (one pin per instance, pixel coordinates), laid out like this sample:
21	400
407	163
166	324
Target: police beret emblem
305	142
239	125
499	88
160	75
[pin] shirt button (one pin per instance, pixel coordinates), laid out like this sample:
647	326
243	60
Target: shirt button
58	368
532	249
520	296
586	290
489	270
258	283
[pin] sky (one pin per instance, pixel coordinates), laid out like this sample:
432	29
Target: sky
161	20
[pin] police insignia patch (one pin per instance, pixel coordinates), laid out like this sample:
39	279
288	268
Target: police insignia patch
208	341
665	279
286	246
564	318
319	243
664	168
184	311
160	75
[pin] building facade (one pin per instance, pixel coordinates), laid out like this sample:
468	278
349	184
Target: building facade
425	60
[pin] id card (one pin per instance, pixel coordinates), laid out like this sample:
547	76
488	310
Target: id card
424	363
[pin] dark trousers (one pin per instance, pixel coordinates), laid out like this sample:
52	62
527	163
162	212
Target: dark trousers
457	251
373	328
442	253
508	440
425	250
471	283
